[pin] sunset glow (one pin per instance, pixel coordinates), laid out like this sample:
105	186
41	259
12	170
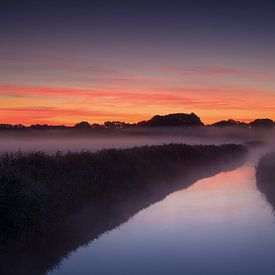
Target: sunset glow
66	70
29	105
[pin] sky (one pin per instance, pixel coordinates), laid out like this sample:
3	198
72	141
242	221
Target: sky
62	62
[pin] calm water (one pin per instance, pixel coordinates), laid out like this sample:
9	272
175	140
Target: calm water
220	225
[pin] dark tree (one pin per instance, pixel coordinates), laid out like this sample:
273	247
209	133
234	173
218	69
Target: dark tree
97	126
83	125
262	123
40	126
229	123
6	126
172	120
116	124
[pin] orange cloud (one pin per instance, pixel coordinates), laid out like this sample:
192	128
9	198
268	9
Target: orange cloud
32	115
97	105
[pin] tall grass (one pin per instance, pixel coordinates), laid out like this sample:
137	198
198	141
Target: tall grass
36	188
265	176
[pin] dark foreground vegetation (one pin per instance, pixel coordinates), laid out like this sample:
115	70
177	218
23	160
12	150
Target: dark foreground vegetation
50	205
266	177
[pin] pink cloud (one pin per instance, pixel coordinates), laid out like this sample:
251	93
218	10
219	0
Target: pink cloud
186	97
132	106
205	70
219	72
31	115
59	64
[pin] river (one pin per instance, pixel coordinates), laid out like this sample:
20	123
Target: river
220	225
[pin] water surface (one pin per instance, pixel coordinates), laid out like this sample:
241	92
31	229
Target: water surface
219	225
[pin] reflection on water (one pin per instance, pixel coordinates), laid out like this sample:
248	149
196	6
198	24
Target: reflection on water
219	225
45	250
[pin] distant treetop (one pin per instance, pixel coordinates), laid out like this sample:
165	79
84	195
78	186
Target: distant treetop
262	123
229	123
82	125
169	120
172	120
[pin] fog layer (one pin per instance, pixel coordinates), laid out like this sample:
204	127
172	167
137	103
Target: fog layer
58	140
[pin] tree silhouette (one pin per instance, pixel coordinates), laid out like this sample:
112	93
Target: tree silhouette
83	125
262	123
172	120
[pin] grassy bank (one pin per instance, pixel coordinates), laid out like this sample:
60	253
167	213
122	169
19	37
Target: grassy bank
51	205
265	176
36	189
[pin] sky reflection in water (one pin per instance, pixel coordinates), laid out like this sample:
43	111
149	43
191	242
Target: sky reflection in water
220	225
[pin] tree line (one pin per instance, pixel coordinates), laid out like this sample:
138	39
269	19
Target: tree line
169	120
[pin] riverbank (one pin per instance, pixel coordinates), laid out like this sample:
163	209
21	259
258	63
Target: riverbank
52	204
265	176
37	189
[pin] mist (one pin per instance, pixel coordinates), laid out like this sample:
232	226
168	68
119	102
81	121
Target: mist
50	141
